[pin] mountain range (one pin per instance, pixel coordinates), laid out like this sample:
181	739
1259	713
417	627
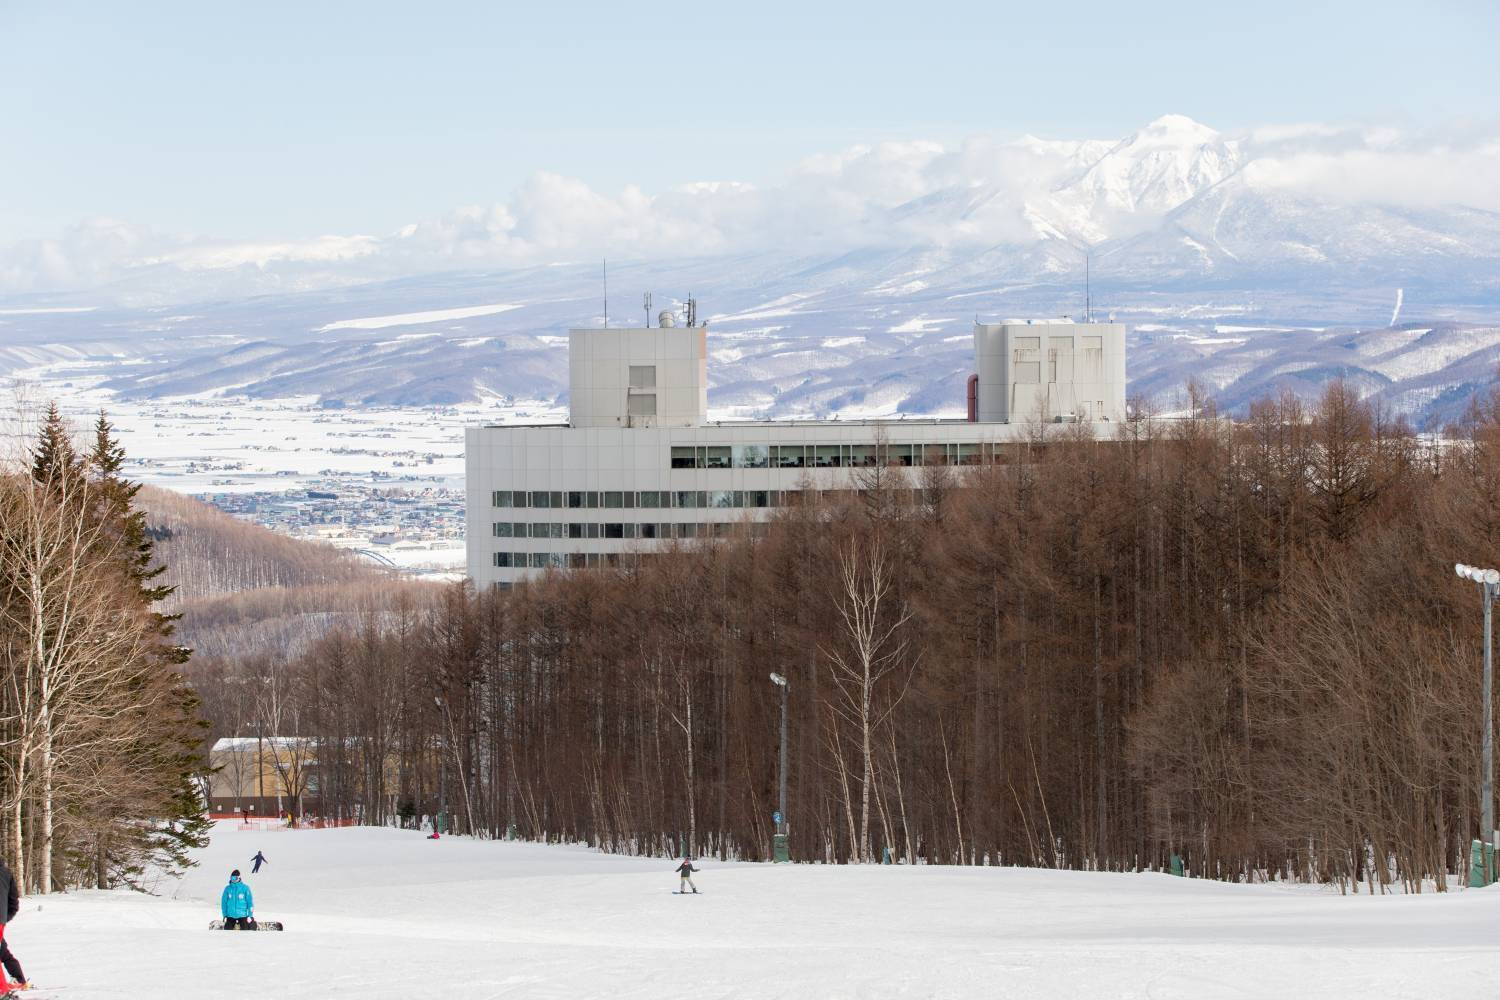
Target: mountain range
1250	263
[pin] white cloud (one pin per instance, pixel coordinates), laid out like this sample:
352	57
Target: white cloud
85	255
100	251
218	256
912	193
1380	166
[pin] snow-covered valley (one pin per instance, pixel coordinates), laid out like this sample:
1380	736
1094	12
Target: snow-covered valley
352	375
1182	231
381	914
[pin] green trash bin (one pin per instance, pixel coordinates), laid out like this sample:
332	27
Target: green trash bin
780	849
1481	864
1177	866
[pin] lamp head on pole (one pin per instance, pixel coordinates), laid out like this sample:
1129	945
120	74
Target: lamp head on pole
779	680
1485	576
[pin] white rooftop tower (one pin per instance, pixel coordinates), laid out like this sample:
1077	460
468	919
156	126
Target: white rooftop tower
655	377
1050	371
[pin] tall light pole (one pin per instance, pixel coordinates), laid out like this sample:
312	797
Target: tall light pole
260	760
437	821
1489	584
780	850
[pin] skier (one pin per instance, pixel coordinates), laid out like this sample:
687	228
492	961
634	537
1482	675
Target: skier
238	904
686	870
12	968
259	859
12	907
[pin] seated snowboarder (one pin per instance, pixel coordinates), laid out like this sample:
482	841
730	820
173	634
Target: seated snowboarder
238	904
686	870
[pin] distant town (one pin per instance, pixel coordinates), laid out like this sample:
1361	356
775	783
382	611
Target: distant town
395	525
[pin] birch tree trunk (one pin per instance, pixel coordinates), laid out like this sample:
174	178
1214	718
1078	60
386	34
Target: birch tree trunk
869	649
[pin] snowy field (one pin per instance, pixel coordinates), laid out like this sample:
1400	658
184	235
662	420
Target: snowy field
388	914
225	444
210	445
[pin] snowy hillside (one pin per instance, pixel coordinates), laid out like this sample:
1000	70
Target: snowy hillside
876	333
377	914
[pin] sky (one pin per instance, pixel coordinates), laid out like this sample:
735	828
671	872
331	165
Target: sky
292	120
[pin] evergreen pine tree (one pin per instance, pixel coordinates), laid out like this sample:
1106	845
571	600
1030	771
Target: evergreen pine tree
117	497
186	825
175	755
54	457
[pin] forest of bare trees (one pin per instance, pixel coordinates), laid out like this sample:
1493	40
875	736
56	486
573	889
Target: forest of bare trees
243	590
1239	642
207	553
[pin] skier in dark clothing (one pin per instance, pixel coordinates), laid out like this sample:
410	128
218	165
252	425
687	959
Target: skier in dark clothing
12	895
259	859
12	907
686	870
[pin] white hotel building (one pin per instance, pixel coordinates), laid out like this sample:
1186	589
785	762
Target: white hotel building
639	464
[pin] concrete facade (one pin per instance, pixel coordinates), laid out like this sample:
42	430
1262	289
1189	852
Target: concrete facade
617	482
654	377
1050	371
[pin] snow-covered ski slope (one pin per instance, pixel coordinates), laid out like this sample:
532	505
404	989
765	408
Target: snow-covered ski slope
387	914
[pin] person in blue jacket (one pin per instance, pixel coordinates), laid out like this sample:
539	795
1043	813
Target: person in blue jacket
238	905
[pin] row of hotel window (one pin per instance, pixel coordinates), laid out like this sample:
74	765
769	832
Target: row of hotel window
568	560
828	456
676	499
625	529
648	499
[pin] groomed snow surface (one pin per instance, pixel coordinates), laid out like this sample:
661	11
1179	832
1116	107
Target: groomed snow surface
374	913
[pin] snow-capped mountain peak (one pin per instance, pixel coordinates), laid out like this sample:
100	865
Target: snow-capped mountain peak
1177	130
1141	178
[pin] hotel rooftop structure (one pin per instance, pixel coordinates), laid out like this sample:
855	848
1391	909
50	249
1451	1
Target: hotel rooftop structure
639	465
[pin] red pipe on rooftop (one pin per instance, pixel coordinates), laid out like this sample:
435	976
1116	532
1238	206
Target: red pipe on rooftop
973	399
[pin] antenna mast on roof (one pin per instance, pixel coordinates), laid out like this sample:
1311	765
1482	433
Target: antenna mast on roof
606	293
648	310
1088	299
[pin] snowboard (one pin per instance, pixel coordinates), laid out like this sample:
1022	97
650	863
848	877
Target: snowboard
260	925
677	893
